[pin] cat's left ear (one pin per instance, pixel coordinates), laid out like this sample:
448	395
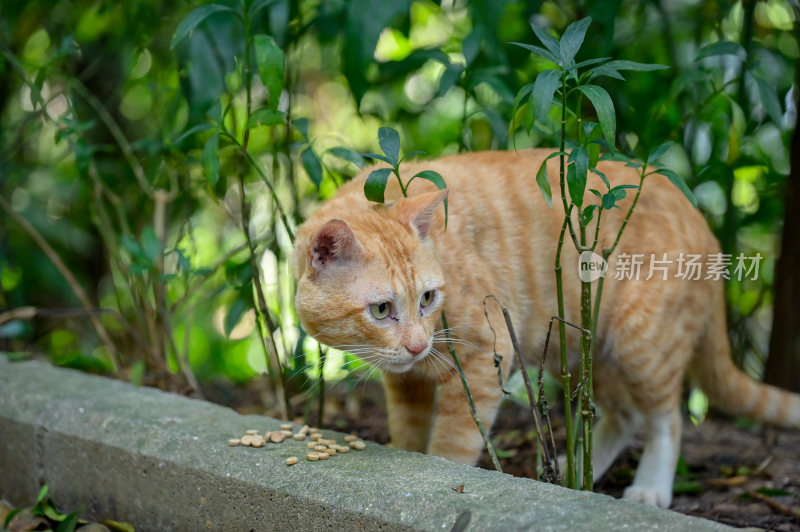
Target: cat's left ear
418	211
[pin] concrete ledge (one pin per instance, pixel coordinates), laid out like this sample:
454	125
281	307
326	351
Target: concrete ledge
162	462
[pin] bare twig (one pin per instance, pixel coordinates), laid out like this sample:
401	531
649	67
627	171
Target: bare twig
29	313
116	132
473	410
550	472
775	505
77	289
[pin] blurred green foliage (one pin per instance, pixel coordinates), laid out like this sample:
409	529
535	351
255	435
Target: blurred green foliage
141	148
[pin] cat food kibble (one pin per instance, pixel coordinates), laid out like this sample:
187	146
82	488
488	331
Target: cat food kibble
313	430
286	426
257	441
299	436
323	456
312	457
277	437
350	438
291	460
316	435
247	439
358	445
251	432
233	442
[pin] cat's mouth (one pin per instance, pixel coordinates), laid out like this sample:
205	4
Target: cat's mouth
405	362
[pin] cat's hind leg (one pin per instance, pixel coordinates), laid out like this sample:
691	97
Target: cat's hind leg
613	432
654	476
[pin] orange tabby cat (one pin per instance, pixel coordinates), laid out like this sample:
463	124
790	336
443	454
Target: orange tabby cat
373	279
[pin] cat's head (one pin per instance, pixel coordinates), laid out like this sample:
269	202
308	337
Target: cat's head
370	281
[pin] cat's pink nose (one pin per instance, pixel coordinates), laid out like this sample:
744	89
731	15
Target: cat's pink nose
416	349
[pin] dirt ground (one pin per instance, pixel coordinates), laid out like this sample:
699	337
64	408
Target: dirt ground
737	475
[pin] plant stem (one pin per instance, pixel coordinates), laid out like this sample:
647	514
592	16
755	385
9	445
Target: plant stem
473	411
77	289
265	326
569	478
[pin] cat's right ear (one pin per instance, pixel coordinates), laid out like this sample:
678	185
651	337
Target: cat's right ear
334	244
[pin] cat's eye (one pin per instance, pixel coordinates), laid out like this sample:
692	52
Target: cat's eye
380	310
427	298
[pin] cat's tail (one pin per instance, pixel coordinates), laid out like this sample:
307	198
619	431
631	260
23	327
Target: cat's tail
727	387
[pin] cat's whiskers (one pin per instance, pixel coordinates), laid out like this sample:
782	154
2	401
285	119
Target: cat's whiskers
444	358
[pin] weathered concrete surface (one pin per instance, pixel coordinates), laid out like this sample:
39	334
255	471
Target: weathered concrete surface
162	462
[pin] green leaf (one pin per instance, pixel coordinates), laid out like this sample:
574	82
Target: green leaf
437	179
543	181
312	165
659	151
132	247
449	78
69	523
269	59
11	516
257	6
193	19
42	494
572	40
523	92
472	44
720	48
375	185
544	87
538	50
769	98
191	131
609	201
151	245
549	42
596	192
678	182
389	141
580	157
619	193
772	492
302	126
364	21
588	214
378	156
211	159
622	64
590	62
604	108
118	526
576	185
605	70
235	312
410	155
50	511
615	156
348	155
265	117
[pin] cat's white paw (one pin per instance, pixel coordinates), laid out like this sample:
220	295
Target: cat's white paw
652	495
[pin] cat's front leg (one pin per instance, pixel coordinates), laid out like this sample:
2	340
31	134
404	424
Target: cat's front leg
409	401
455	435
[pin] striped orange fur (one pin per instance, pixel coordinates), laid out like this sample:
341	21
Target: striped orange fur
500	239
